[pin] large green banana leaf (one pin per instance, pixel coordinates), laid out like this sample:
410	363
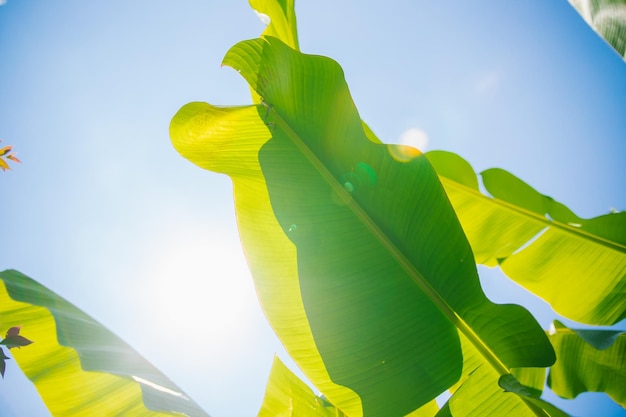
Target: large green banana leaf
607	18
78	367
558	265
359	261
576	265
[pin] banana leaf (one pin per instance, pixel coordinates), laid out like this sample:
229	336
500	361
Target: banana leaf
280	17
358	259
577	265
483	392
78	366
286	395
558	265
588	361
607	18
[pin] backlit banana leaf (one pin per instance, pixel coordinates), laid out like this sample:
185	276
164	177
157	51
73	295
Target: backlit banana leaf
512	385
607	18
477	394
359	261
286	395
480	392
280	17
78	367
576	265
588	361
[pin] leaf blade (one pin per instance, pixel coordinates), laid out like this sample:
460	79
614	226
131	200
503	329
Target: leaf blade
282	17
539	243
78	366
287	395
582	367
607	18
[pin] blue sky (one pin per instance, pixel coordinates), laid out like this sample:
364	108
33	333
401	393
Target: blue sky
105	212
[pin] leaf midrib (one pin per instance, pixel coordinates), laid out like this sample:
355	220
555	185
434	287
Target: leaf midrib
532	216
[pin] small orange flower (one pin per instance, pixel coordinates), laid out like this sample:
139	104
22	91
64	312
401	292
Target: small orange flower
5	152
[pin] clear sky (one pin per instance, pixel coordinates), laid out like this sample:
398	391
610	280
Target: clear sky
105	212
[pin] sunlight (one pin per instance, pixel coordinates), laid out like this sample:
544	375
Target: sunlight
412	143
198	286
199	294
414	137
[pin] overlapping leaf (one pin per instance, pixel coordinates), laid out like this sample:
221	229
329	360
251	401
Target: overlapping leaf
359	261
607	18
286	395
511	385
588	361
280	17
577	265
480	392
79	367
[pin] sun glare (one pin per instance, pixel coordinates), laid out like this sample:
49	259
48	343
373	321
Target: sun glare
415	138
412	143
201	291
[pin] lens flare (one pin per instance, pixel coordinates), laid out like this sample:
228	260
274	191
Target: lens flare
410	145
